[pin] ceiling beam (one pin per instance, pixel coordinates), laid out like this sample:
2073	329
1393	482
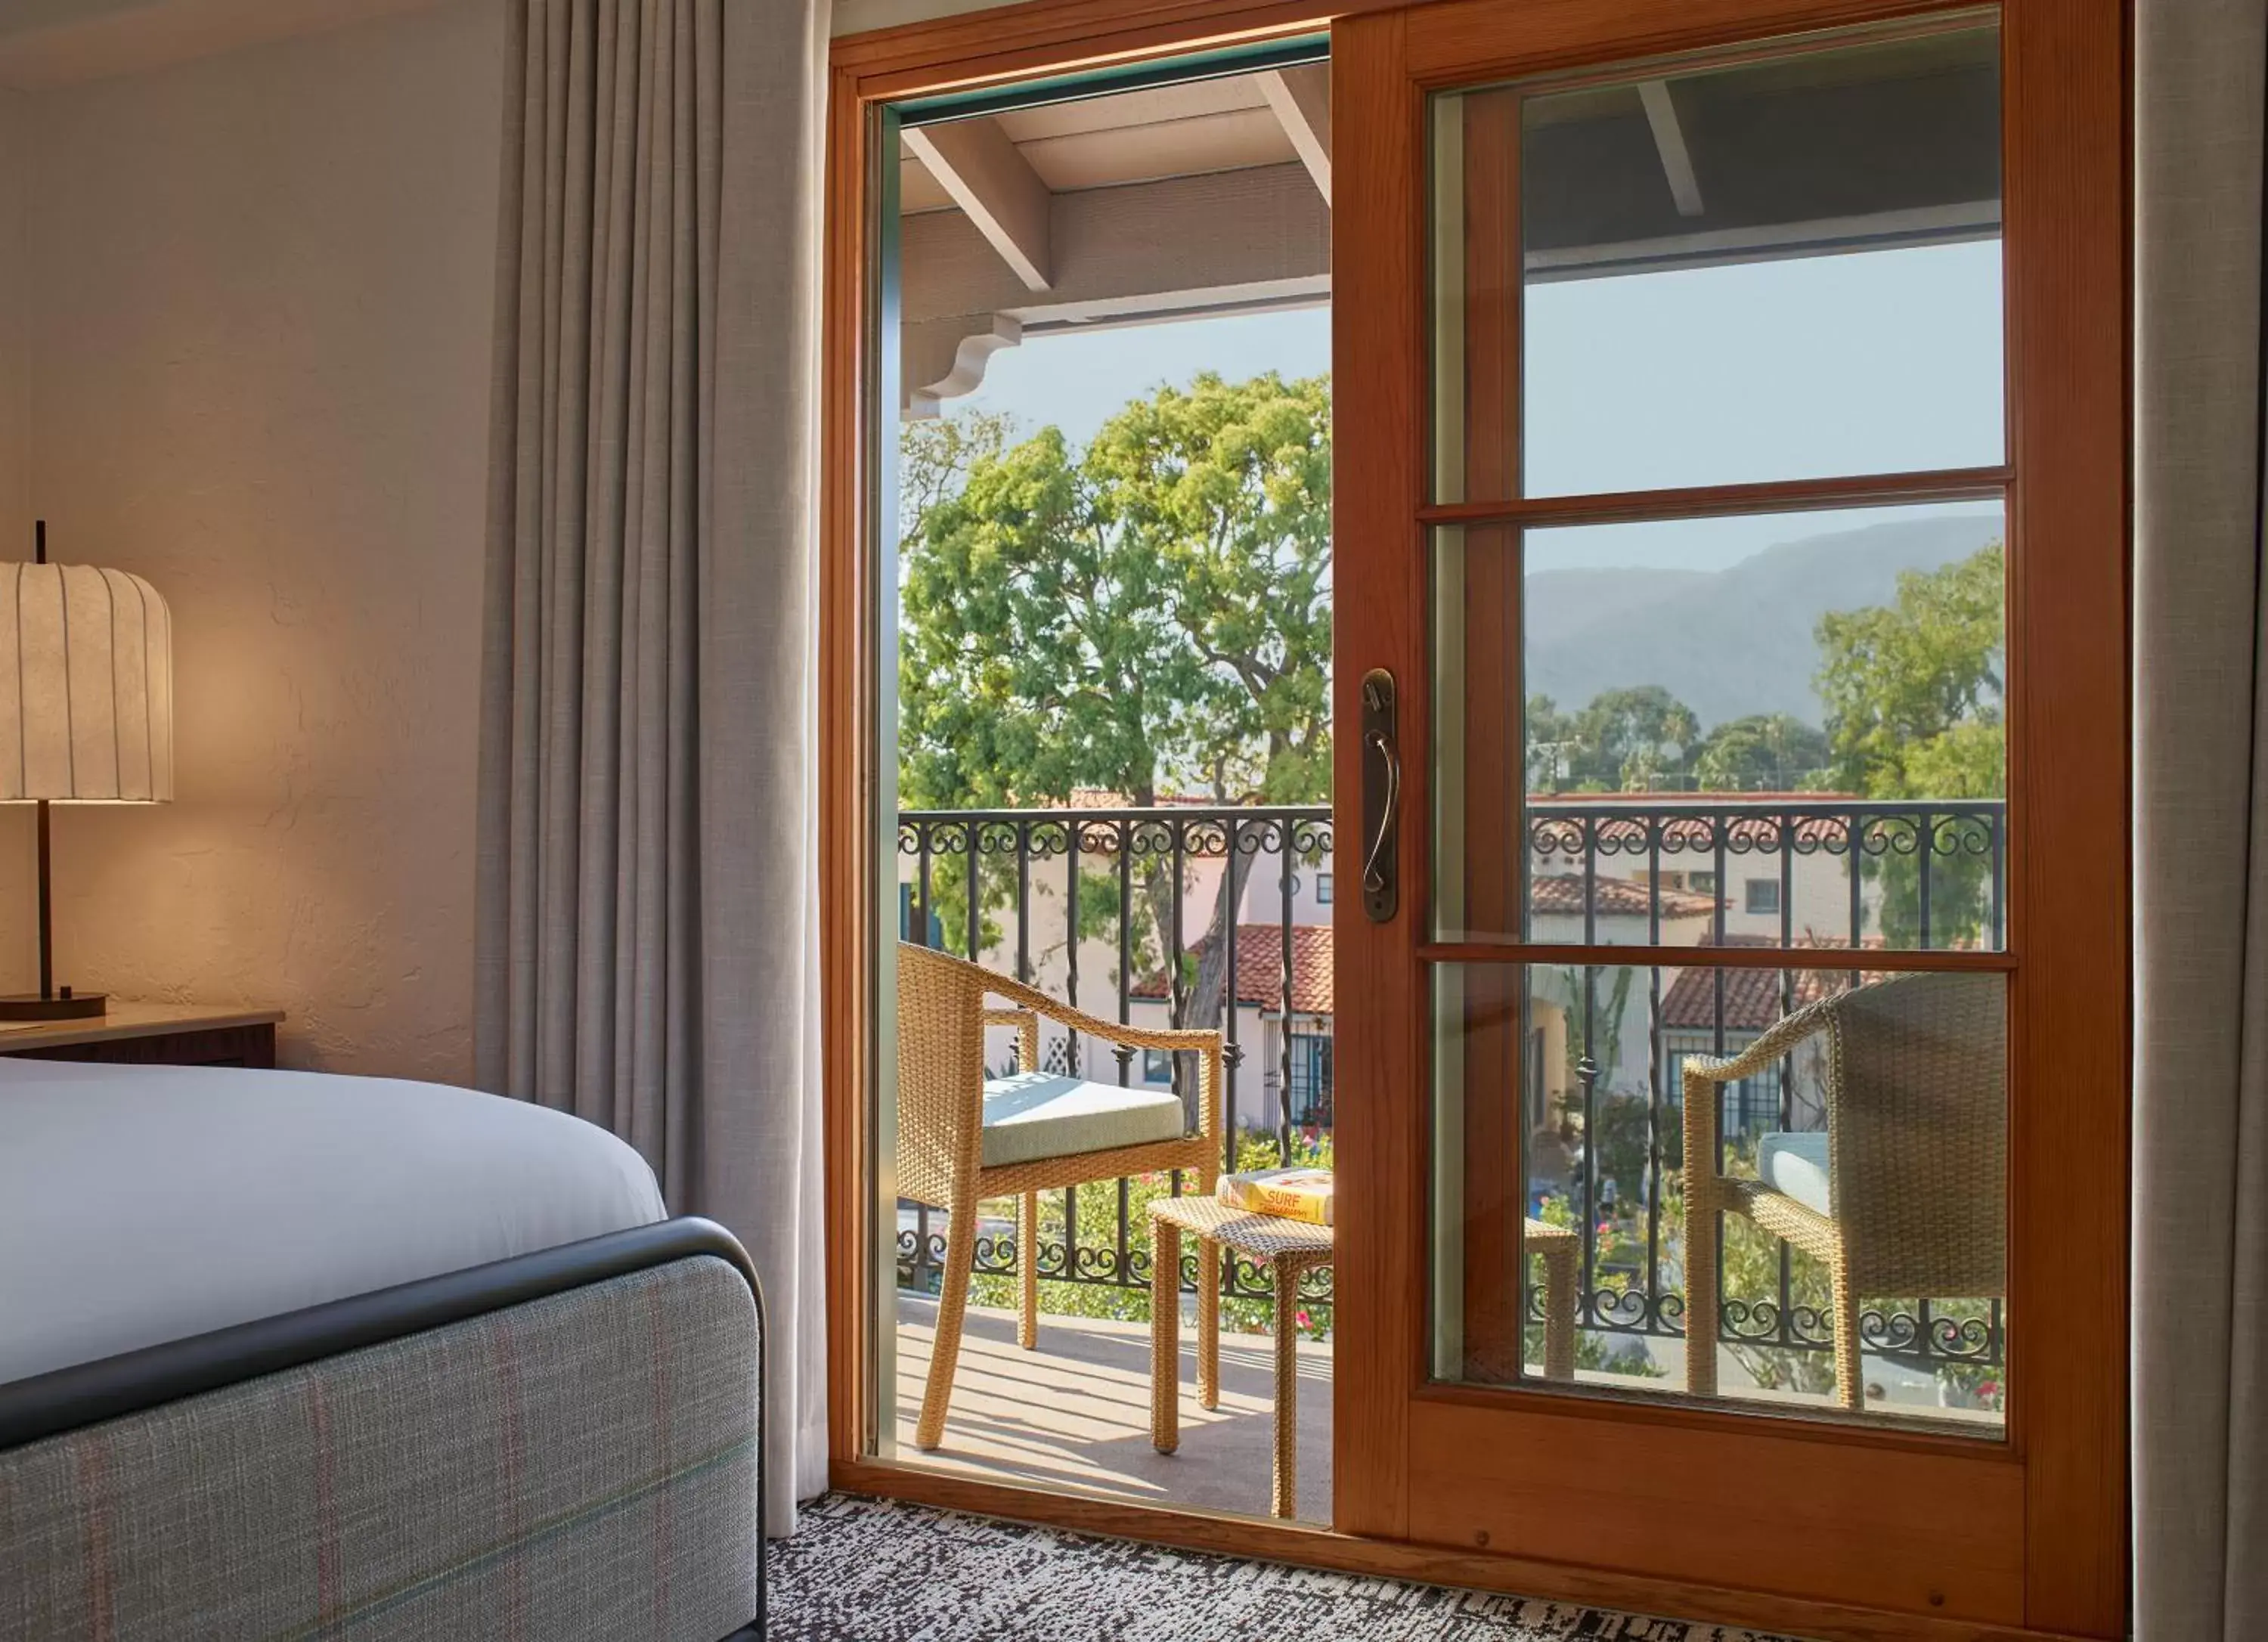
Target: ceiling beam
974	161
1669	141
1138	246
1771	242
1223	241
1301	98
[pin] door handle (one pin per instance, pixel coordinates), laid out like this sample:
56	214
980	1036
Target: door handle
1381	798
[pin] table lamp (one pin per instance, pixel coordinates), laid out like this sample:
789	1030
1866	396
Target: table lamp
86	715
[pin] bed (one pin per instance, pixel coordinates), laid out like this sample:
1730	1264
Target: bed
294	1354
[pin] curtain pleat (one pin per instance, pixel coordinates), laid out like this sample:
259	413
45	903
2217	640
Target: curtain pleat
646	916
2201	1211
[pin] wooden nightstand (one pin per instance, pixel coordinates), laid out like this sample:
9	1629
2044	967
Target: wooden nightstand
153	1035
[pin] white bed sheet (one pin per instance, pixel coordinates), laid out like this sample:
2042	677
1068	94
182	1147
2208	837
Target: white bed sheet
141	1204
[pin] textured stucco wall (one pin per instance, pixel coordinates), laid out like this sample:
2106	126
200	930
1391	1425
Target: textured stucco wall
856	16
17	969
15	313
261	288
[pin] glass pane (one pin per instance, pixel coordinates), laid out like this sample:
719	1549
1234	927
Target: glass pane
1720	271
1572	1217
1734	730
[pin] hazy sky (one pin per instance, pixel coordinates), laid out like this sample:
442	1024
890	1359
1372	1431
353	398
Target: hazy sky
1882	361
1075	379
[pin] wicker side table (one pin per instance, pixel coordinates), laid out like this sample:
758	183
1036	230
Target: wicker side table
1560	1250
1287	1249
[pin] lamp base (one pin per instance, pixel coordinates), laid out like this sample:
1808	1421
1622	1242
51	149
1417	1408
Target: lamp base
62	1006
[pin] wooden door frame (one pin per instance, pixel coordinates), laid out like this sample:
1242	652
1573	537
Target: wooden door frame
1005	43
2061	303
2028	1531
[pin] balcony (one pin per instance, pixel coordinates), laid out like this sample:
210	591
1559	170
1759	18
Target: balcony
1075	1414
1116	912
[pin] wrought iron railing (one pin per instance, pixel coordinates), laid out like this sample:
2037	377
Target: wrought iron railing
1060	854
1904	875
1952	846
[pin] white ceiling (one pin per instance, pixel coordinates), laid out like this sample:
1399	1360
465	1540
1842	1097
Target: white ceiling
856	16
1183	131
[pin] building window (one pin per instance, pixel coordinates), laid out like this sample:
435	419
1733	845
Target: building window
1157	1065
1754	1105
908	929
1763	895
1702	883
1311	1079
1751	1105
1323	888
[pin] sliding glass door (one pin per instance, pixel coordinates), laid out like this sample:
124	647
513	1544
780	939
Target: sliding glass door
1731	1039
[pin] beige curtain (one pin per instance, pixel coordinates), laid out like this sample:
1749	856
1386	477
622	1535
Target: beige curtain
2201	841
647	887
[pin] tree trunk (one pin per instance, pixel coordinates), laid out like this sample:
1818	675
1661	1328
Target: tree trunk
1210	999
1209	992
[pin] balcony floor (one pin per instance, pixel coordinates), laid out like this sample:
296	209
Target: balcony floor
1075	1414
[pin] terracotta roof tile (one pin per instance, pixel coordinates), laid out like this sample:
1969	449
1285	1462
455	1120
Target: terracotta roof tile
1104	798
1752	1002
1260	967
1613	897
1752	997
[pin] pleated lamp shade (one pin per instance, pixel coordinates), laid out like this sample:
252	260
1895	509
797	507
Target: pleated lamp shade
86	686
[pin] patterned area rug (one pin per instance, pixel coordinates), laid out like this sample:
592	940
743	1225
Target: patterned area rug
875	1571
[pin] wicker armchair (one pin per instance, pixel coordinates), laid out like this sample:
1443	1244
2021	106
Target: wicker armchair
1914	1198
945	1131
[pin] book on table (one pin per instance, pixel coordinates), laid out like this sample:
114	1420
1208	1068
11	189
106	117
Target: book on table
1298	1194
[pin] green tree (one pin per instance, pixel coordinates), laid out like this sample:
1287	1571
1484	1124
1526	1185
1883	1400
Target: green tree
1148	613
1551	747
1914	693
1227	488
1762	753
935	456
1030	646
1637	739
1915	686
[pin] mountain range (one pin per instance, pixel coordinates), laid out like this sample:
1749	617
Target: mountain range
1731	642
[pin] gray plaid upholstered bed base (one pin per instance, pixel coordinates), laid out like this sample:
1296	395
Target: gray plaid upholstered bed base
578	1468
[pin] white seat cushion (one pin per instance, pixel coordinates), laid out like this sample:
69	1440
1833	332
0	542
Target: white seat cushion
1796	1164
1032	1115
